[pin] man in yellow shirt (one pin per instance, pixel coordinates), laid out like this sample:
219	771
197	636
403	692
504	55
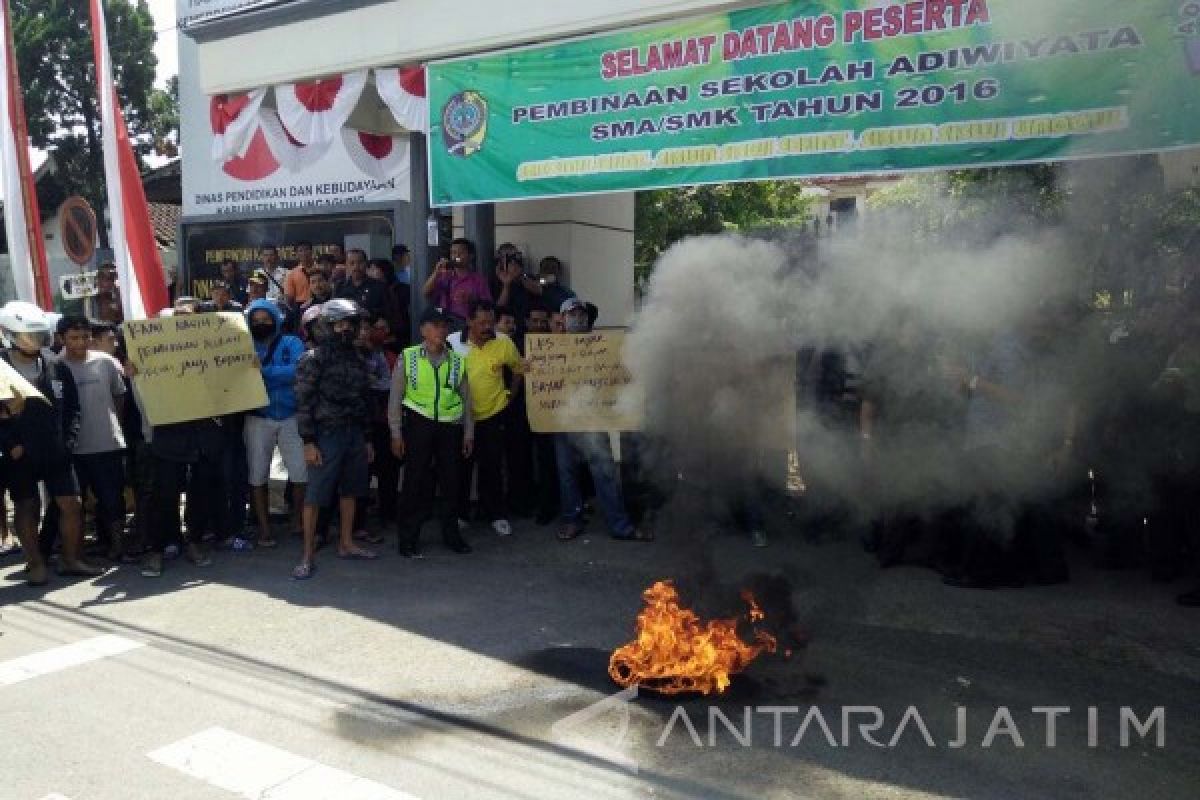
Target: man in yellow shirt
488	353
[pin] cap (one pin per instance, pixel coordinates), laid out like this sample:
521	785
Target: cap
219	285
399	249
571	304
258	276
434	314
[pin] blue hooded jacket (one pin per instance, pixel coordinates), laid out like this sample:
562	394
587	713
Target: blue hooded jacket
279	371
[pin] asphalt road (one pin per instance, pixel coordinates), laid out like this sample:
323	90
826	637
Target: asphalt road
448	678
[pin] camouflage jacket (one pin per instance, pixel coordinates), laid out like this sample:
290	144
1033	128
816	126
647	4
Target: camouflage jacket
332	391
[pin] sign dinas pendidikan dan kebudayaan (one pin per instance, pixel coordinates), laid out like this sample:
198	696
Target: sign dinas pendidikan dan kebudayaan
817	88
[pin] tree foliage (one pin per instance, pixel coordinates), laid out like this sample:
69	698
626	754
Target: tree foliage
58	76
164	120
1130	236
975	204
664	216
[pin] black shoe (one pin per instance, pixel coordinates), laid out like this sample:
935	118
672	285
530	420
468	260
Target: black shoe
1189	600
545	517
460	547
410	551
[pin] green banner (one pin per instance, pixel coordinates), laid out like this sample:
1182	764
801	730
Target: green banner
817	88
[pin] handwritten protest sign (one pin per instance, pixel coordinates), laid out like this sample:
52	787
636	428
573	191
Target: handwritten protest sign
577	382
194	366
13	385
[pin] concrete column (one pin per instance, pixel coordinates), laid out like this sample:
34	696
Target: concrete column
479	223
414	231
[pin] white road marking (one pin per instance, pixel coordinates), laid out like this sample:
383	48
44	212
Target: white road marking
60	658
260	771
56	796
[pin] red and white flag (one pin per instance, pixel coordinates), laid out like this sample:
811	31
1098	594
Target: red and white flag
139	268
22	219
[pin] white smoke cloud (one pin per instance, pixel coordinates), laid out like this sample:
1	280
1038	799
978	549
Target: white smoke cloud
731	324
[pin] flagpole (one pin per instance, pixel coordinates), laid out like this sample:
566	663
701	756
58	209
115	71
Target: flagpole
20	129
139	266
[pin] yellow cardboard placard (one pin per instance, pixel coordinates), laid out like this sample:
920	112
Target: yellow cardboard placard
13	384
194	366
578	382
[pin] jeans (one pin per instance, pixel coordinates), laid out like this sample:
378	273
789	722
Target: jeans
518	459
104	475
386	469
237	480
207	505
592	449
547	475
489	457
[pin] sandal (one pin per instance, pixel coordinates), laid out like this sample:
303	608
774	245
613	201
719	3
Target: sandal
267	543
368	537
304	571
359	554
570	532
81	570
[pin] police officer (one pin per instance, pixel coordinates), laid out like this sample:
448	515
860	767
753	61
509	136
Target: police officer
430	420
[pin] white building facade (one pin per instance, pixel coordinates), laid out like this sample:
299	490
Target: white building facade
247	65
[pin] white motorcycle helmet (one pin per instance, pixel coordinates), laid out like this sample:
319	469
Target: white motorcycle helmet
26	327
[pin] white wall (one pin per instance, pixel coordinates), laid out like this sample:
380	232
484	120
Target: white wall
410	31
1181	169
592	236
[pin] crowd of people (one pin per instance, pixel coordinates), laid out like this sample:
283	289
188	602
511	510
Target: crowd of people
974	463
985	456
353	406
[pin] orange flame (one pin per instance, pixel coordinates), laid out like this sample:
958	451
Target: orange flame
675	652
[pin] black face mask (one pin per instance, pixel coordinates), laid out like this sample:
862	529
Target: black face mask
262	330
347	338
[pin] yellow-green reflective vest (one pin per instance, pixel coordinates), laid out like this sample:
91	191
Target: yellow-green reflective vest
433	392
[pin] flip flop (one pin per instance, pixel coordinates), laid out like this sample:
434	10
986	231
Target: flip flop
570	532
368	537
266	544
82	572
303	572
359	554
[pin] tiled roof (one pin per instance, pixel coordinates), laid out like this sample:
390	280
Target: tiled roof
165	218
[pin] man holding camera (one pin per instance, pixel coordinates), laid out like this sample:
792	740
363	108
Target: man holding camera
519	290
455	284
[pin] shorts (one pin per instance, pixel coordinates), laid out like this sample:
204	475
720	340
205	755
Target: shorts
21	478
343	471
262	436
